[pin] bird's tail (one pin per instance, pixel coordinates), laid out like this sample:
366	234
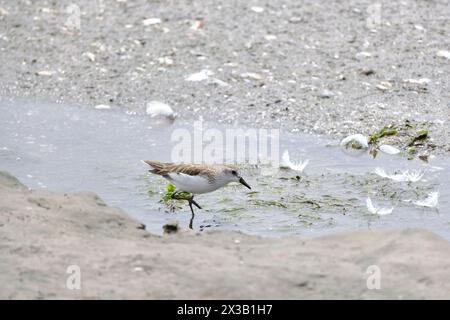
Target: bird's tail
156	167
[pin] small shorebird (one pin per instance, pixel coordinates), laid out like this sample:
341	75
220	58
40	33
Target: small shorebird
195	178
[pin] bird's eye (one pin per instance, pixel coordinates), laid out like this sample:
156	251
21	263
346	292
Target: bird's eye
234	172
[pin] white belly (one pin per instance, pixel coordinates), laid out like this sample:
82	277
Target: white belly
192	184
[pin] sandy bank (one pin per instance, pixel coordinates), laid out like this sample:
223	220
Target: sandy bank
42	233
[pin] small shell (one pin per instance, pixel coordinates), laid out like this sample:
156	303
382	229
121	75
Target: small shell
151	21
388	149
418	81
200	76
257	9
46	73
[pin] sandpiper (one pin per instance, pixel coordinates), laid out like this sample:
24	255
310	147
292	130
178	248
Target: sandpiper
195	178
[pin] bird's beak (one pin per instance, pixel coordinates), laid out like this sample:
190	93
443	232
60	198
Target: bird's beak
241	180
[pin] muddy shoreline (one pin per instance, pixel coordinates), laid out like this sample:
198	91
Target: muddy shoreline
311	67
43	233
305	66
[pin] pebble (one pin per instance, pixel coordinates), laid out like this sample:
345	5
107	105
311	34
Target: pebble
3	12
171	227
219	82
443	54
257	9
295	19
383	85
251	75
418	81
165	61
45	73
367	72
151	21
270	37
326	94
90	56
200	76
198	24
363	54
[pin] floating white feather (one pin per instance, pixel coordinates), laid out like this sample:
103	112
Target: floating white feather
287	163
357	138
379	211
102	107
432	201
157	108
404	176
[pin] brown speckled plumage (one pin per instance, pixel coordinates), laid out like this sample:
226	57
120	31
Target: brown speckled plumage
164	168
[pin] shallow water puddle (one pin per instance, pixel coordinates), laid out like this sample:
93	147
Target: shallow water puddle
65	148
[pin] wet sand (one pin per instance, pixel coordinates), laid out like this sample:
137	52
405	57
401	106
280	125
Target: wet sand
42	233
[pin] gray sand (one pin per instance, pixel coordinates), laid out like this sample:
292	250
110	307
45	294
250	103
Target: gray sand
42	233
273	68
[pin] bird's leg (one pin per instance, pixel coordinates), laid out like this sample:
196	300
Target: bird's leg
190	199
192	217
191	202
176	197
175	193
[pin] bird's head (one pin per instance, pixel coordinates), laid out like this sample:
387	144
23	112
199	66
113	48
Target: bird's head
232	175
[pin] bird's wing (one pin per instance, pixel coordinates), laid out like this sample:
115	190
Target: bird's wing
156	167
164	169
207	172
